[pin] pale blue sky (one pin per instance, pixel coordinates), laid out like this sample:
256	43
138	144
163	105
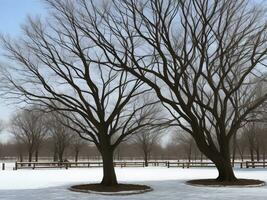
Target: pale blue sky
13	13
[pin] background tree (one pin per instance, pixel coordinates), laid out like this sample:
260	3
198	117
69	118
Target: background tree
203	59
145	141
29	128
188	146
148	137
61	135
77	144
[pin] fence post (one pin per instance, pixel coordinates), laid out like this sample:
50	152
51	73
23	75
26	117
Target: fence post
16	166
3	166
168	164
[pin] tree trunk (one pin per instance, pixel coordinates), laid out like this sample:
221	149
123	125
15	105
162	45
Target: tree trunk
29	157
223	164
221	159
20	157
76	156
118	153
251	154
109	176
225	170
55	156
36	155
263	155
258	153
234	149
146	158
60	156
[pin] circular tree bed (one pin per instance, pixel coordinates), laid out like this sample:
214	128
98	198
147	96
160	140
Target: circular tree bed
119	189
216	183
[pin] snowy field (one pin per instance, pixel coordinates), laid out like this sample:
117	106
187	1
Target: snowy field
168	184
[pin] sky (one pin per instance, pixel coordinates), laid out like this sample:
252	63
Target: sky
13	13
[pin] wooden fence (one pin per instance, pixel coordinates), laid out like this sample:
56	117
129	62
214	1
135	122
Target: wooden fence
168	164
256	164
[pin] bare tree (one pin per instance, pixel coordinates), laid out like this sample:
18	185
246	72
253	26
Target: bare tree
146	140
254	137
77	145
60	134
186	145
54	69
148	137
29	128
20	150
201	58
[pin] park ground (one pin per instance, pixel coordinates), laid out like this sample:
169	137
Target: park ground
168	184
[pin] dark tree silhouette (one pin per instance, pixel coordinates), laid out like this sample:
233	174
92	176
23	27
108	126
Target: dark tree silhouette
54	70
29	128
61	135
77	144
148	137
200	57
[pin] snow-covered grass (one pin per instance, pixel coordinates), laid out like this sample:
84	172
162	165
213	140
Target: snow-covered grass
168	183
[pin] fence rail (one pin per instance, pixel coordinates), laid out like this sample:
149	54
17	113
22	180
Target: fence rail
254	164
168	164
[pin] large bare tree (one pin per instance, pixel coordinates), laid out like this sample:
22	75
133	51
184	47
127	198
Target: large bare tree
54	69
202	58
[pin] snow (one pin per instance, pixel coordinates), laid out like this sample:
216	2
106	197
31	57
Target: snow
168	183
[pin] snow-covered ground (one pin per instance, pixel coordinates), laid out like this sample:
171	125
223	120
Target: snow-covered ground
168	184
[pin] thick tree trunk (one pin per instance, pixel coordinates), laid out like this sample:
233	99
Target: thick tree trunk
224	165
109	176
225	170
221	159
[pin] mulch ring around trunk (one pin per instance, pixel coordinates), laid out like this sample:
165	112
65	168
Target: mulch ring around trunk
216	183
119	189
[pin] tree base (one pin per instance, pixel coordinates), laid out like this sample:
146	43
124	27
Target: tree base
235	183
119	189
